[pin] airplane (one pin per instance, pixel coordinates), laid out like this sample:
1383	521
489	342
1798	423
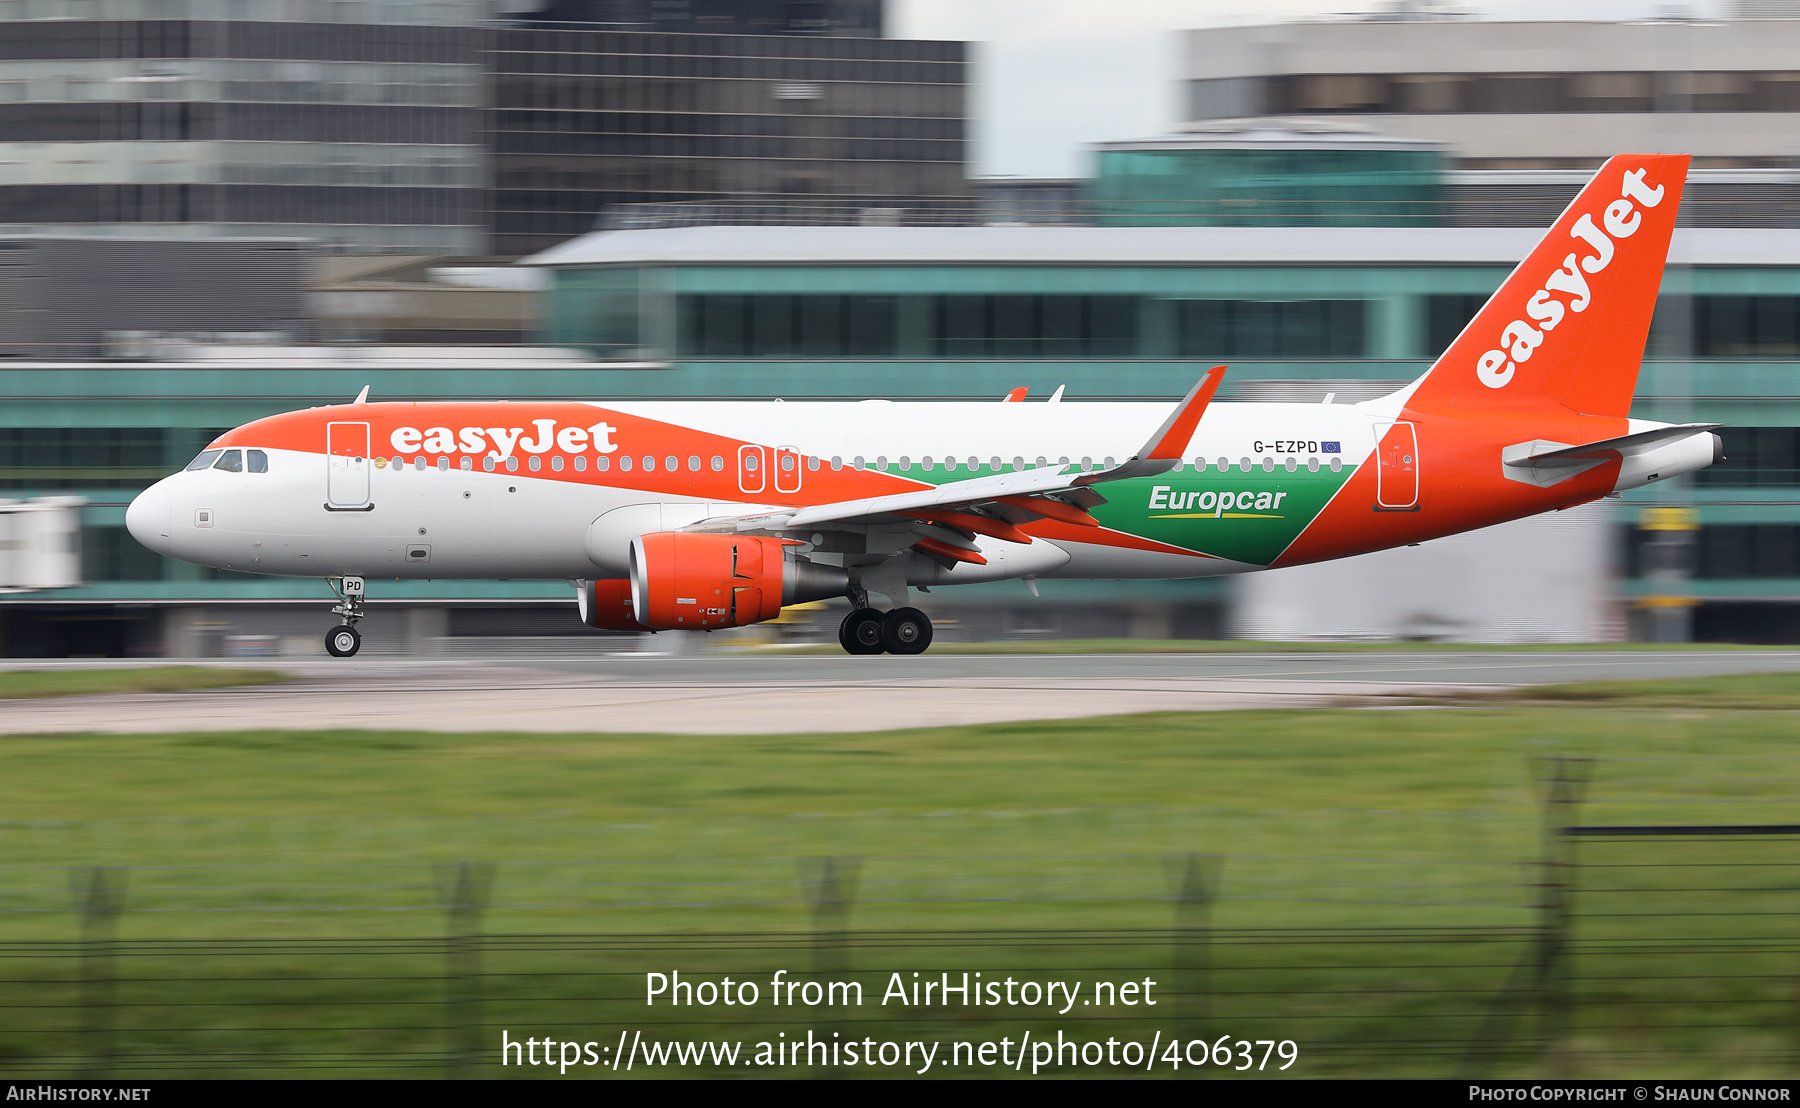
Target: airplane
702	515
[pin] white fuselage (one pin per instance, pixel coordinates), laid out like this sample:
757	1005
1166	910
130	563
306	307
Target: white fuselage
514	524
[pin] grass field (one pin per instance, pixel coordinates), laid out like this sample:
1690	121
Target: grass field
25	684
316	866
1743	692
1439	800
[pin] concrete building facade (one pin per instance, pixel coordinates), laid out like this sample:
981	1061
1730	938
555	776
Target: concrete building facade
1527	95
1524	111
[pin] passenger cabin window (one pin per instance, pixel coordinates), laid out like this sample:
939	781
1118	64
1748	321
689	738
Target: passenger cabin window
256	461
204	461
232	461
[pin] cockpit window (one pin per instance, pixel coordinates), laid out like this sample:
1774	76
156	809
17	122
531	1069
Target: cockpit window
204	461
258	461
232	461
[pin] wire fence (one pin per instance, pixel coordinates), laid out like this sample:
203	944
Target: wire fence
597	889
1654	948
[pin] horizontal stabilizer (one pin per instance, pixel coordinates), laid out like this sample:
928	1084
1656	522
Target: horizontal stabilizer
1531	455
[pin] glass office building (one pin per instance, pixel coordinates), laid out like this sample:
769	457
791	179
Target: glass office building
439	128
1274	176
586	122
356	124
845	18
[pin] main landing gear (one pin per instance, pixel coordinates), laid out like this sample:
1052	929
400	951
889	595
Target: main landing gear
343	640
901	631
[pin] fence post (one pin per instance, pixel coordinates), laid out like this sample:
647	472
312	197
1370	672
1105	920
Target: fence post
1563	782
99	891
1197	880
465	890
830	887
1541	978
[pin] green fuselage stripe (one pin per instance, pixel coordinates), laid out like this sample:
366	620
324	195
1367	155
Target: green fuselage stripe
1265	511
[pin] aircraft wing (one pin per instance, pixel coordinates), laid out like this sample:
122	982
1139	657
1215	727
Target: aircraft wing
1050	492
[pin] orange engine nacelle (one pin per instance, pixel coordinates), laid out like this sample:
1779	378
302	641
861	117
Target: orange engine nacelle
606	605
682	581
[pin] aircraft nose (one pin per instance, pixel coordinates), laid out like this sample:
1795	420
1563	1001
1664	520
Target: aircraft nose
148	518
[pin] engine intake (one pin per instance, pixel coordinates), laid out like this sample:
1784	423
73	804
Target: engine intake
684	581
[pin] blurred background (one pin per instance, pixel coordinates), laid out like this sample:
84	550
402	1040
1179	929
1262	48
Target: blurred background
213	210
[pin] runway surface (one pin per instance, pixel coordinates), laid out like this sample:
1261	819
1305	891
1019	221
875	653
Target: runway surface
767	694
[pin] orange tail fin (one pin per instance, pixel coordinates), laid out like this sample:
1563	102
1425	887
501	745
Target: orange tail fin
1567	328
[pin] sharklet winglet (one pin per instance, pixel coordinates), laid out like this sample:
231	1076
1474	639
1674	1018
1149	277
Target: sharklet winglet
1163	450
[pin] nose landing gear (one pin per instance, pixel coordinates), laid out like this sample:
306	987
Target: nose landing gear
343	640
901	631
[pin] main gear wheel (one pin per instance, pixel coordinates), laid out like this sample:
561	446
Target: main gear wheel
905	631
861	632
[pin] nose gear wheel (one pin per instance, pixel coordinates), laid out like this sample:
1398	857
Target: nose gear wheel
342	641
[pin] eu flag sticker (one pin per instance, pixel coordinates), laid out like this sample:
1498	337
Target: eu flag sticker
1329	448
